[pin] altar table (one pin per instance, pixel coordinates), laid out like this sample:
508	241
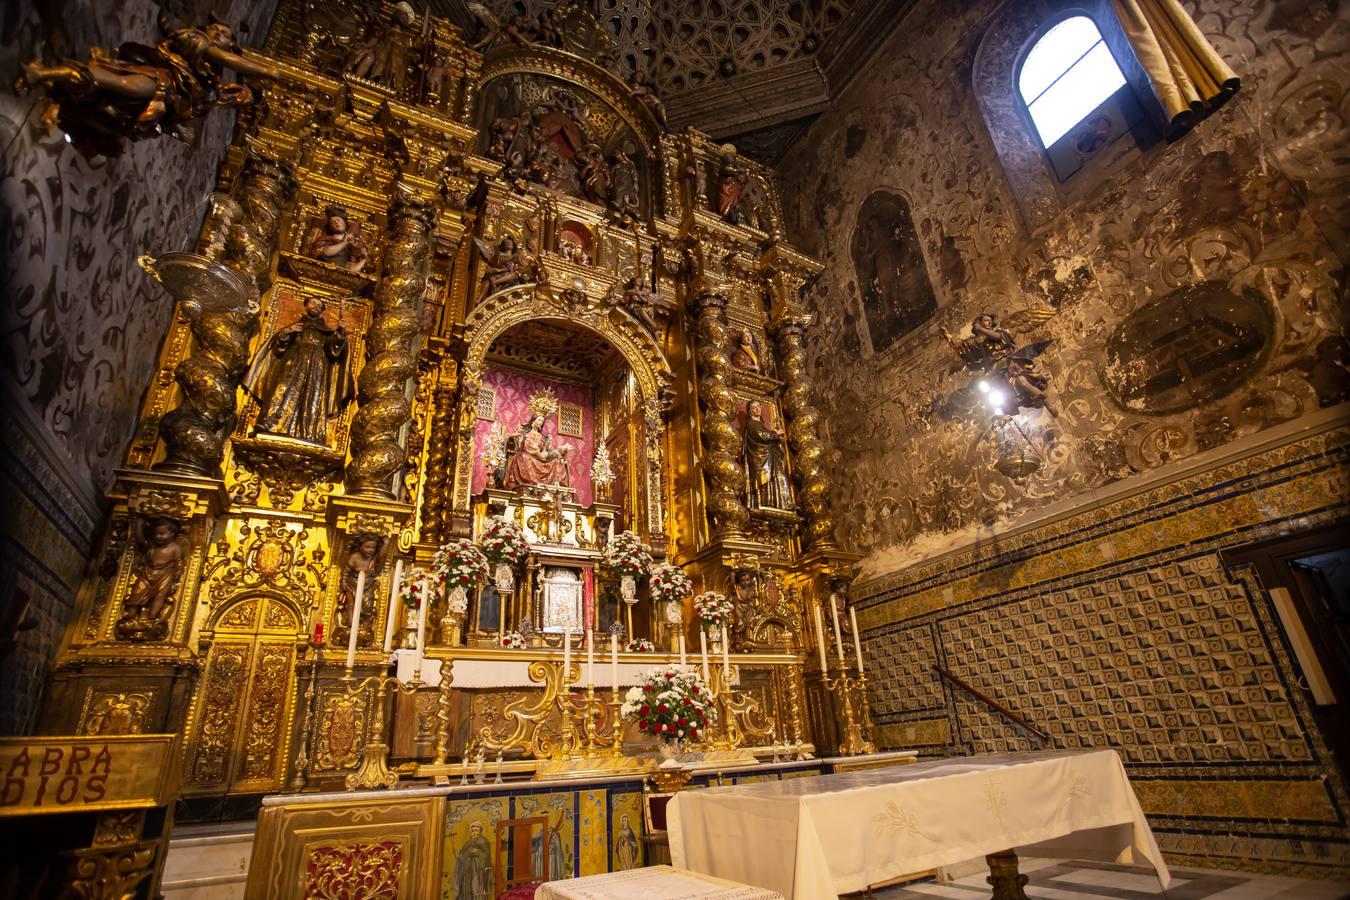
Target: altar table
815	838
651	883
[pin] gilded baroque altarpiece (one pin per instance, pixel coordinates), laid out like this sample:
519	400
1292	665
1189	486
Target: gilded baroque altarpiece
444	241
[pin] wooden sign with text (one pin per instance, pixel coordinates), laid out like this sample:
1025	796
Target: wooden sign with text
77	774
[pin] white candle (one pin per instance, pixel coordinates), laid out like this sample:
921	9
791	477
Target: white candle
614	661
590	658
820	640
683	658
425	613
567	653
838	635
857	642
354	626
726	649
703	651
392	618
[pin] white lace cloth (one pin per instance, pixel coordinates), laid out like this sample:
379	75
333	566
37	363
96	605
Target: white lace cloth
651	883
815	838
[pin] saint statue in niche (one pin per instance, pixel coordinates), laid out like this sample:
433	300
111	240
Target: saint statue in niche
536	460
744	356
301	378
473	867
336	242
766	480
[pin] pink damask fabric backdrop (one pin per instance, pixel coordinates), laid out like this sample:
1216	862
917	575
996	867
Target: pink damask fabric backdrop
514	390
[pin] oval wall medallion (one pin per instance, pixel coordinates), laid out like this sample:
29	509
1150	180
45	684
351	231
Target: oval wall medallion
1193	346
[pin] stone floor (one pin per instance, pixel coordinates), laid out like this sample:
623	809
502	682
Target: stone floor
1063	880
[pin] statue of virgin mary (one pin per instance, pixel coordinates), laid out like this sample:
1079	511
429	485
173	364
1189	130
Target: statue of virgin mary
537	461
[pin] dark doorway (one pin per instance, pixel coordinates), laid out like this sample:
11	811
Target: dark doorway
1308	579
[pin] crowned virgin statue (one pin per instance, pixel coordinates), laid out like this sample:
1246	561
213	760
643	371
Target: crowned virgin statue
536	460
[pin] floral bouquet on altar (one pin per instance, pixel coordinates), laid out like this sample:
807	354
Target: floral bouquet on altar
505	547
639	645
629	558
672	702
418	585
671	585
460	566
714	610
513	640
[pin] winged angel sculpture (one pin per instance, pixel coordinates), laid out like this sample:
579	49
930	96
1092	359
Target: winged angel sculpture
1005	370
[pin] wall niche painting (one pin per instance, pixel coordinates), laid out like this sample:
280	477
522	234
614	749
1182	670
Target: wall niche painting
1195	345
897	295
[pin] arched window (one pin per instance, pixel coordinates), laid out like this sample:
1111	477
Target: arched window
1075	93
1067	74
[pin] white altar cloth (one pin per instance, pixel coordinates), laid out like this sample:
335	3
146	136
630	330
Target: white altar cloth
815	838
509	673
651	883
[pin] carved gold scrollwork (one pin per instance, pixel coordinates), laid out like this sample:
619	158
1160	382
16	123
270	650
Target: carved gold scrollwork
97	873
356	869
342	725
266	555
115	712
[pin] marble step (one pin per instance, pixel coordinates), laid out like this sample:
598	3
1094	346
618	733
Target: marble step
208	862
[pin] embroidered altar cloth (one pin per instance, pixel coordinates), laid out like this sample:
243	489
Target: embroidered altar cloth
815	838
651	883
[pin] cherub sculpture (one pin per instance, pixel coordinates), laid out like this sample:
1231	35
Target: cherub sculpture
365	553
161	556
642	91
143	91
504	265
335	241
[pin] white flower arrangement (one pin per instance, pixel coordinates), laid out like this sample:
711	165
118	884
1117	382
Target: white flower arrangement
714	610
503	542
669	584
672	702
415	580
627	556
640	645
460	563
513	640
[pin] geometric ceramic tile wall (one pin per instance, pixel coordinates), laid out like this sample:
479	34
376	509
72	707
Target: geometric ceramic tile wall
1121	628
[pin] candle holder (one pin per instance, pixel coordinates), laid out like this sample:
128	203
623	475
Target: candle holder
301	778
374	771
857	729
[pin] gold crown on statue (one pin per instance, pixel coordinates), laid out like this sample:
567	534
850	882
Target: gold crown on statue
544	403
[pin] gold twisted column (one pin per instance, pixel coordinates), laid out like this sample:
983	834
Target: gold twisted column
382	391
436	509
194	431
720	442
808	451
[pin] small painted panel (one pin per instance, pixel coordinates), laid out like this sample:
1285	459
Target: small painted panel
561	832
467	870
625	816
592	835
